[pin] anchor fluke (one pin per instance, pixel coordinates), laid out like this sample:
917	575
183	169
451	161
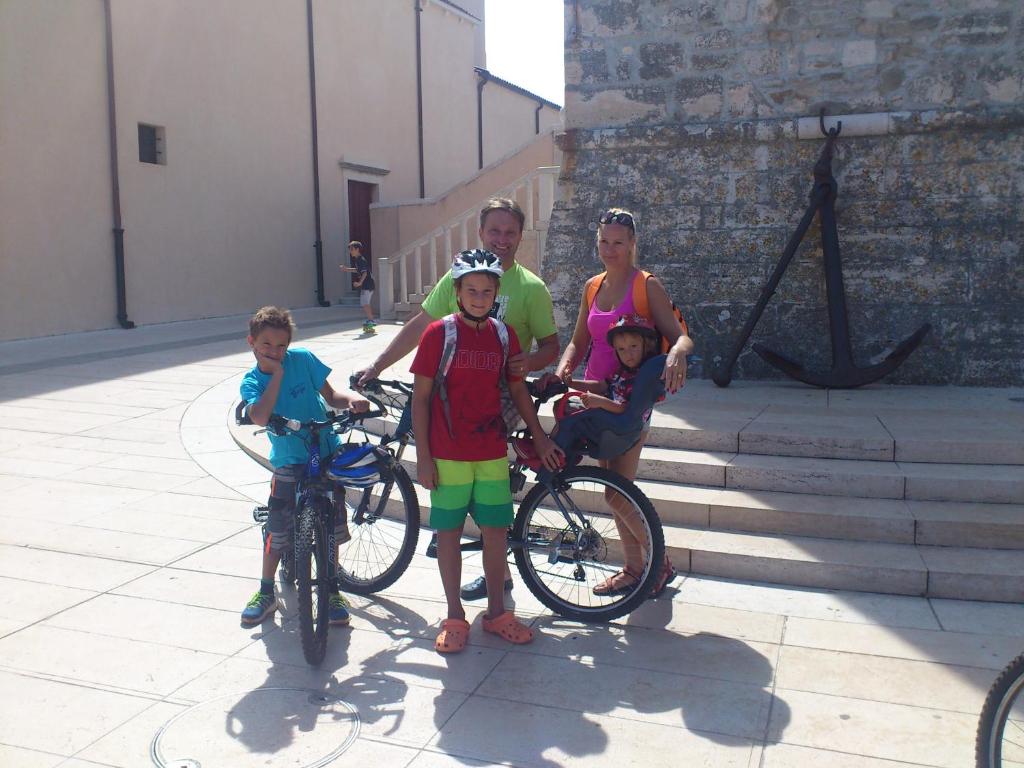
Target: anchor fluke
846	375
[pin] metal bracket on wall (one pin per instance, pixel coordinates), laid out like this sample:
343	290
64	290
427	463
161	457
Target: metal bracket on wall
844	374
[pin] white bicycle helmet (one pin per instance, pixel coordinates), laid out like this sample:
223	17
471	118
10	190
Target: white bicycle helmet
475	260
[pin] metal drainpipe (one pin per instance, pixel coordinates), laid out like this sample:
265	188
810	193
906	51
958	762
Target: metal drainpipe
485	76
536	117
419	92
122	302
318	246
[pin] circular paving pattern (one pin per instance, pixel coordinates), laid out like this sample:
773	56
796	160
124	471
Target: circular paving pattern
287	726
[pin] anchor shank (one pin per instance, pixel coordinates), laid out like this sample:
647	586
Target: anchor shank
723	375
838	321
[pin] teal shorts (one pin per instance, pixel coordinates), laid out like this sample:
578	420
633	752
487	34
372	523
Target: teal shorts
478	485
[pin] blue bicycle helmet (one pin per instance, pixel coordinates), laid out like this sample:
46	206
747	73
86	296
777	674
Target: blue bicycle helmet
355	465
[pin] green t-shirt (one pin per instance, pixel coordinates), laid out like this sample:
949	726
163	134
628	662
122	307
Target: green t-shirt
523	303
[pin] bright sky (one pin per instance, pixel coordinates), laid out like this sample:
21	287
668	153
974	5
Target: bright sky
525	45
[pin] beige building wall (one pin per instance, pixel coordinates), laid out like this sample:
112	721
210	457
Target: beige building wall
228	223
510	120
449	104
56	258
371	51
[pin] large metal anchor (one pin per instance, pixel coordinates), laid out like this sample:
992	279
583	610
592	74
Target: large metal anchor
844	373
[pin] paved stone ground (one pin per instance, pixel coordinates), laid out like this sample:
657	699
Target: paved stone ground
127	551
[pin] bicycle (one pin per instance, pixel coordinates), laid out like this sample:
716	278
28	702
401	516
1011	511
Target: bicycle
375	520
1001	725
563	538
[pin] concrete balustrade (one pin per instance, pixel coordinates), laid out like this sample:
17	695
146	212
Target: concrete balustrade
419	237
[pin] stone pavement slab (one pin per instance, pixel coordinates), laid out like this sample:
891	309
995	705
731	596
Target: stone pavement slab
125	560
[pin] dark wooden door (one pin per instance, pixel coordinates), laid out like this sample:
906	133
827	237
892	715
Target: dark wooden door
360	195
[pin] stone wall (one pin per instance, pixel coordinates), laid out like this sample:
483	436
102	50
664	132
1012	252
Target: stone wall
687	113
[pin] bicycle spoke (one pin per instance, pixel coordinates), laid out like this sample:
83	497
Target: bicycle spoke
380	548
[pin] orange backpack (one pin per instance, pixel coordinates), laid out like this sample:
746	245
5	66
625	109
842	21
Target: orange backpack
640	303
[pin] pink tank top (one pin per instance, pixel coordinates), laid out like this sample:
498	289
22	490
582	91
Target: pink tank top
603	361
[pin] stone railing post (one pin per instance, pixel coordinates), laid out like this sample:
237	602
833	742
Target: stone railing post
386	275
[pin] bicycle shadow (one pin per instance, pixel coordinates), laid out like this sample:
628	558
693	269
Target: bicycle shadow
259	723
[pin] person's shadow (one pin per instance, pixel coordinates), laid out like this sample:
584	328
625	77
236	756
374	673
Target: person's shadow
720	688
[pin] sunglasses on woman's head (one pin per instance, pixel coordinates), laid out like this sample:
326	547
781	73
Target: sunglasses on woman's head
618	217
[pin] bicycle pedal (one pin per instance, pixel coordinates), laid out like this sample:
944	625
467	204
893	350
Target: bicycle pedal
261	514
517	481
432	548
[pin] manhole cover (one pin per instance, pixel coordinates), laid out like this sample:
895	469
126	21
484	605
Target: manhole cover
287	726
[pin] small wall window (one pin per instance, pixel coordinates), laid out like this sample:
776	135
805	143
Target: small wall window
152	144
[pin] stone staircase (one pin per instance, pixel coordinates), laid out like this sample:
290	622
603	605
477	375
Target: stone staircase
416	239
899	490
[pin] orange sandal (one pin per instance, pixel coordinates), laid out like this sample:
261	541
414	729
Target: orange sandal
453	636
623	581
507	627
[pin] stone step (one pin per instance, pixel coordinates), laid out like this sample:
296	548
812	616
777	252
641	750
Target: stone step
904	569
942	529
995	484
893	521
867	479
923	436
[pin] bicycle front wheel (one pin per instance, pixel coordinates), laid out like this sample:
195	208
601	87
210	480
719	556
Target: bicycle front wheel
1001	727
312	569
567	541
384	522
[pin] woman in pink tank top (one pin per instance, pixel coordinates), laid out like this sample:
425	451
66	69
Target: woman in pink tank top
616	247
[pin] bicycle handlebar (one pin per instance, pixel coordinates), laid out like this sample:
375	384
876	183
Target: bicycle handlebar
279	425
378	385
553	389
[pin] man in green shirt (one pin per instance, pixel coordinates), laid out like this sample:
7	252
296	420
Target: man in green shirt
523	303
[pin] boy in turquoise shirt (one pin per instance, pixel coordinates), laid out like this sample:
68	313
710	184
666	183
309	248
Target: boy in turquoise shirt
291	383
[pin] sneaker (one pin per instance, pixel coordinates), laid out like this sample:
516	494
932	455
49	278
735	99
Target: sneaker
477	588
259	607
338	614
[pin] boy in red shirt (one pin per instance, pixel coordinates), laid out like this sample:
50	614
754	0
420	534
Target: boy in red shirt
461	453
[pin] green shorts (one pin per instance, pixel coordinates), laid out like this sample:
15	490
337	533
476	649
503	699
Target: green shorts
462	485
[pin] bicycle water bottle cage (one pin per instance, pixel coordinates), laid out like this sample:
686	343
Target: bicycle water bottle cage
605	435
355	465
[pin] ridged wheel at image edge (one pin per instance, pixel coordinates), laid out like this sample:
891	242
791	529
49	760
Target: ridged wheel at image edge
997	707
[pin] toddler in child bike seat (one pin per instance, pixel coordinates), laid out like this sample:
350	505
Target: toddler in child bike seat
605	418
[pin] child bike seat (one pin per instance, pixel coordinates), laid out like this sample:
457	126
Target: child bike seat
604	435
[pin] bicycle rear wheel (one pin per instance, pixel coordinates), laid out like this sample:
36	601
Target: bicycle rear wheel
1001	727
562	557
385	525
312	566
